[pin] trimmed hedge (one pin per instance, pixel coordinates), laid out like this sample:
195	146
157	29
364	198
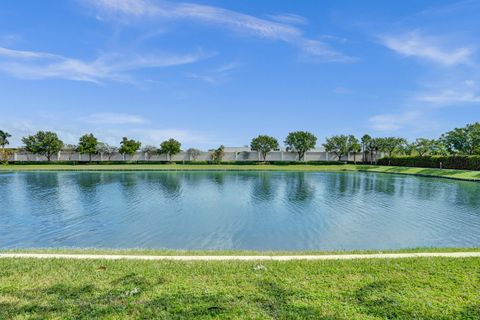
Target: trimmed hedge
445	162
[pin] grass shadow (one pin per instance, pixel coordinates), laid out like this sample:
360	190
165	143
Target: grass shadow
383	300
278	304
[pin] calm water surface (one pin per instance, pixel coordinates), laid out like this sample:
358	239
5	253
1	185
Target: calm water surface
247	210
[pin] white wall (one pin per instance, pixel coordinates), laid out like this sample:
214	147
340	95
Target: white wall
183	156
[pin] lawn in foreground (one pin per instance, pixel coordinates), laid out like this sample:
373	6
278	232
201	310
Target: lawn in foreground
445	173
421	288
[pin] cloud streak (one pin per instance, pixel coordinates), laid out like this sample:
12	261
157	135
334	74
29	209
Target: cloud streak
393	122
281	29
466	93
107	67
413	44
106	127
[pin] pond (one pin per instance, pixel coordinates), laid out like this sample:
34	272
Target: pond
236	210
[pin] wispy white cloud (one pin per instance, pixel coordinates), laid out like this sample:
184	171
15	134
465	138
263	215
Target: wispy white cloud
236	21
216	75
394	122
289	18
414	44
468	92
107	129
111	67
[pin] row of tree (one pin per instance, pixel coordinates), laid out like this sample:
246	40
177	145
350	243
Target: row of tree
464	141
459	141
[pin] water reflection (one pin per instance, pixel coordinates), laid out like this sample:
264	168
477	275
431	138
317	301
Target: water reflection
243	210
299	188
262	188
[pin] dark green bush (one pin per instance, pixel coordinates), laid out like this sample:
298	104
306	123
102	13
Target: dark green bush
446	162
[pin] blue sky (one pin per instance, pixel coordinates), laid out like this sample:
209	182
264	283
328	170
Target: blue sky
220	72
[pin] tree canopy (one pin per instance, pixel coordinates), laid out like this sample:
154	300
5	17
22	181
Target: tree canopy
170	147
300	142
217	154
88	144
129	146
264	144
4	138
464	140
337	144
45	143
391	144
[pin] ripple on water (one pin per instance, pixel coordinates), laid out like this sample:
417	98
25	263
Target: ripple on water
236	210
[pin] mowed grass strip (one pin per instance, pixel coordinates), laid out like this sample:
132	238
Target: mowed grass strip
419	288
429	172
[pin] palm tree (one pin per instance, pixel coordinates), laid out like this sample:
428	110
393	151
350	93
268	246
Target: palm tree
365	142
4	139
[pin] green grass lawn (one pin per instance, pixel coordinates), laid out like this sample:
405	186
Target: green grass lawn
445	173
420	288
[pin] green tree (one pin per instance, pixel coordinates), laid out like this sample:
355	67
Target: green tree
423	146
193	153
5	155
129	146
4	138
218	154
365	143
264	144
392	144
407	149
170	147
353	146
439	148
88	144
464	140
300	142
45	143
337	144
374	146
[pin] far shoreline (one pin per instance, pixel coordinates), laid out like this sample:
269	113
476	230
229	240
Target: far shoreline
463	175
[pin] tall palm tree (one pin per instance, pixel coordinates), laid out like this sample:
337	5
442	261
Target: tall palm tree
365	142
4	138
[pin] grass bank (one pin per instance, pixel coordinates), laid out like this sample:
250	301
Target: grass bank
444	173
425	288
167	252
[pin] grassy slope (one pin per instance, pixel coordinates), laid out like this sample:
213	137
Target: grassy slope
428	288
445	173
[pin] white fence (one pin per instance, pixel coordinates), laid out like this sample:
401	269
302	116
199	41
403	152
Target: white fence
184	156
